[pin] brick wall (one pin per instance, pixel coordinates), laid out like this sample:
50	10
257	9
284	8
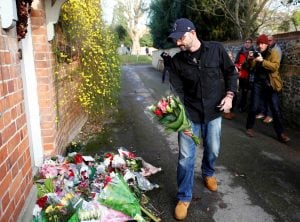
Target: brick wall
16	173
290	72
70	116
15	161
56	135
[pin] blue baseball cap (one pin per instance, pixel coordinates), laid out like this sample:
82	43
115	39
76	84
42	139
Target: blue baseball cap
180	27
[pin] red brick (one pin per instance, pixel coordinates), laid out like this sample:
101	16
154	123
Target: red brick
21	121
19	205
41	64
1	89
8	132
42	30
3	155
3	171
7	214
37	21
5	200
6	58
19	84
10	86
41	56
44	103
5	183
2	107
1	122
2	43
48	147
48	139
48	132
42	72
37	13
26	168
6	118
14	187
13	142
15	169
43	80
15	71
14	113
5	72
40	48
24	145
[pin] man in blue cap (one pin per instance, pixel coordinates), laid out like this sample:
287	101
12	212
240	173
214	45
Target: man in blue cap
205	79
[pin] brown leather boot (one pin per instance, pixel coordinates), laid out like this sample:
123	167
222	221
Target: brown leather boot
283	138
211	183
181	210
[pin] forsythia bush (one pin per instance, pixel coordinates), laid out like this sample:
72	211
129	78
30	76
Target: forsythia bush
99	67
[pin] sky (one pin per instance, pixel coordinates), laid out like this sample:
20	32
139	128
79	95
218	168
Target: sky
107	7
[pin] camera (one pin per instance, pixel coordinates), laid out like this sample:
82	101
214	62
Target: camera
256	54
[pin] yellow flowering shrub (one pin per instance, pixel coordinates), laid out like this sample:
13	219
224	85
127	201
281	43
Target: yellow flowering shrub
98	70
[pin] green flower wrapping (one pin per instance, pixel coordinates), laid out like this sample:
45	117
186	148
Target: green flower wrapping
118	196
171	114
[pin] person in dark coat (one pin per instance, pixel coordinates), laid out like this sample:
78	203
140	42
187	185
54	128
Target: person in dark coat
167	64
197	74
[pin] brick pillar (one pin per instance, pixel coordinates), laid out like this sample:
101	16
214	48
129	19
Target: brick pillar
45	79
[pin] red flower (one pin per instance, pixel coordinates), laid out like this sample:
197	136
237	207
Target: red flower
71	173
109	155
42	201
158	112
78	158
107	180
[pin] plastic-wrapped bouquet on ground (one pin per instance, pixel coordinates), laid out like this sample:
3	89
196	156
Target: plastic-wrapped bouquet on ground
117	195
171	114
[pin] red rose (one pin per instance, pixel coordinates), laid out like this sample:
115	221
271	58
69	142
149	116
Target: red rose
78	158
42	201
158	112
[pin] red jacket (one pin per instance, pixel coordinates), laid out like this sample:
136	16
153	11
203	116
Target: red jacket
243	73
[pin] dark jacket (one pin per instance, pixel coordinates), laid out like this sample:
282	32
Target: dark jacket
167	59
267	69
199	82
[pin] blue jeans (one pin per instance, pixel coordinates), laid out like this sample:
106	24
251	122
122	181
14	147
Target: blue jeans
210	134
262	91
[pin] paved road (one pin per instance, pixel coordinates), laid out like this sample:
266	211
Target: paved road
259	178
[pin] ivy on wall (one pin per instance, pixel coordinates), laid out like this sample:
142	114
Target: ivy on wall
93	46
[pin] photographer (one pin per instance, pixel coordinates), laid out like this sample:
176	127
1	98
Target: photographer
266	63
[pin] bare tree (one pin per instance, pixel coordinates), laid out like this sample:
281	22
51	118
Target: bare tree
130	15
247	16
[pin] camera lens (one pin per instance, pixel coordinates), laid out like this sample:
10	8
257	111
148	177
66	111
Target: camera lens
255	54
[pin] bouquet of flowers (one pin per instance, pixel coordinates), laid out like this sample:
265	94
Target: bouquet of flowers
171	114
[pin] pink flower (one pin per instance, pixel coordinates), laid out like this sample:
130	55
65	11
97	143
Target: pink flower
49	171
162	104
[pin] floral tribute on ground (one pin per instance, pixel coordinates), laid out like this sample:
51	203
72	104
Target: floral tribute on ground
108	188
170	113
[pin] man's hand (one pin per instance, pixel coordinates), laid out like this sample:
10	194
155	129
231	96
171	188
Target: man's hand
259	58
188	133
226	103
